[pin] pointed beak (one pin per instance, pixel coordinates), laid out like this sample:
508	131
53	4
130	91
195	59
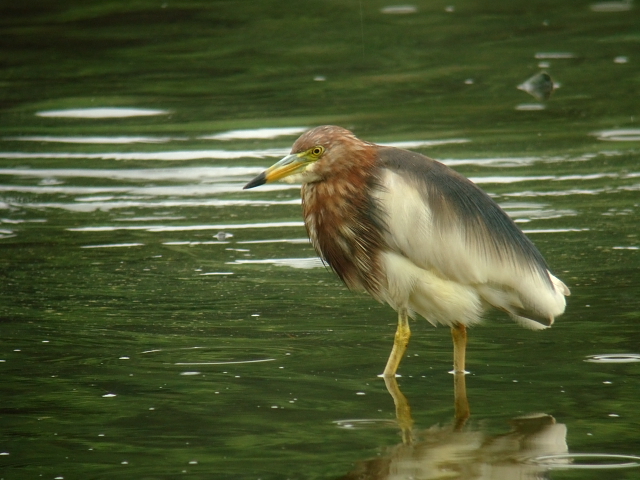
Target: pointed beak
257	181
287	166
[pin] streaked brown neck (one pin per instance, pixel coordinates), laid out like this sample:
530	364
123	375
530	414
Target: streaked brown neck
339	216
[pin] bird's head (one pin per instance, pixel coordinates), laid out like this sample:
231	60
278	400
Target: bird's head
313	156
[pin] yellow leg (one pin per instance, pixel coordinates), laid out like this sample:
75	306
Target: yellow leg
459	334
403	410
460	400
400	342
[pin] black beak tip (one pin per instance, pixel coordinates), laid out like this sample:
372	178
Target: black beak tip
256	182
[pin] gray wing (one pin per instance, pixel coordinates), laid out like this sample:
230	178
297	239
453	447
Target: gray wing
442	221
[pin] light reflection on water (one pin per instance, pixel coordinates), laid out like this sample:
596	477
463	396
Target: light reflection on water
102	112
530	107
258	133
279	240
554	55
614	358
196	187
218	154
231	362
311	262
178	155
534	445
183	155
216	173
612	6
157	174
588	461
542	178
114	245
98	204
186	228
95	140
619	135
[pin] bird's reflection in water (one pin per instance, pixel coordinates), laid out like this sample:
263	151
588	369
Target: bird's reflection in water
460	452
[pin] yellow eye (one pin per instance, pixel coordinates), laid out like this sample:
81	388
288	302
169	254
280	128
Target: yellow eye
317	151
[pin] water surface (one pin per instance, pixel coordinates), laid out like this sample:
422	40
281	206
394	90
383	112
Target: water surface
158	321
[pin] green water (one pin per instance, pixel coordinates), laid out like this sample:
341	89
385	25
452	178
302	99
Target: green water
136	342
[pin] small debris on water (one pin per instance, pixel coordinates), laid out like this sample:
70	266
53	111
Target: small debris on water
540	86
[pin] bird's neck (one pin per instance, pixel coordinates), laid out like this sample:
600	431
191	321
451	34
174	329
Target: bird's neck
337	216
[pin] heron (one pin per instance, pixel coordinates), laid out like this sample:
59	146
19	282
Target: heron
416	235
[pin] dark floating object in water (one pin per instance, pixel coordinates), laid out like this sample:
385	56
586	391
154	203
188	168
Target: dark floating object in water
540	86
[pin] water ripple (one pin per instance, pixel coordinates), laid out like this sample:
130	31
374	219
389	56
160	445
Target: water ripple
619	135
236	362
93	206
554	55
107	112
556	230
278	240
364	422
615	6
171	156
186	173
311	262
117	140
114	245
256	133
614	358
425	143
558	193
185	228
567	461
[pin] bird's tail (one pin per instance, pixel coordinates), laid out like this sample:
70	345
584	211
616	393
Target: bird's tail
534	303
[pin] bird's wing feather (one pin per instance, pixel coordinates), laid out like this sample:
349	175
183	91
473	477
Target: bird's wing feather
443	222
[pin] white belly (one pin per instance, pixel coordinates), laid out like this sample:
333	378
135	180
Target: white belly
439	300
